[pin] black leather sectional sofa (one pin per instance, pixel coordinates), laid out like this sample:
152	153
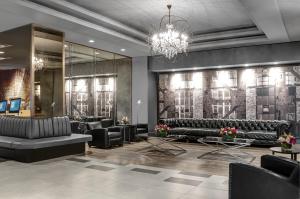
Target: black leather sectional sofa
33	139
264	132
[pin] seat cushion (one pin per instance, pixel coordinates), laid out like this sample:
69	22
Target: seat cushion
6	142
178	131
49	142
261	135
114	134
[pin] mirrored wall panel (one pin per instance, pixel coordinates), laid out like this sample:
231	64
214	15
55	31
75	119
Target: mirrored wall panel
48	60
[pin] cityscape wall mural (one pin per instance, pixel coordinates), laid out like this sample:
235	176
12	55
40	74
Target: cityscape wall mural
263	93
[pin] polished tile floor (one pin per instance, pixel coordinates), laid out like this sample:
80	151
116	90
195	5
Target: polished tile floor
122	173
88	177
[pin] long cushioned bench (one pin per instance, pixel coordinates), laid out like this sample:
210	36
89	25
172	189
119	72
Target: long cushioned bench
33	139
265	132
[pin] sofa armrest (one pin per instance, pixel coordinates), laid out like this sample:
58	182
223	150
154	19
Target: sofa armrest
282	128
115	129
249	182
279	165
96	131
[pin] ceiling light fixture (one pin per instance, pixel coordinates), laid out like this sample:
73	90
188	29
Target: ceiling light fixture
172	36
1	52
123	49
92	41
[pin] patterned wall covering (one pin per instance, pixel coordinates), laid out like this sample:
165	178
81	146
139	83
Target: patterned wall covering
15	83
265	93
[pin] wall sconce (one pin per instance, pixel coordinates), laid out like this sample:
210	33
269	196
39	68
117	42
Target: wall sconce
274	75
38	63
223	79
248	77
176	82
196	80
81	86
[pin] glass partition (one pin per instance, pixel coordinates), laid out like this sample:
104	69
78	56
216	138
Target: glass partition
93	79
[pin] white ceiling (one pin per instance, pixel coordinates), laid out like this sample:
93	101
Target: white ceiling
116	24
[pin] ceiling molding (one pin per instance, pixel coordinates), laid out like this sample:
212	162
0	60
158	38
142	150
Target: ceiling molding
78	21
267	16
228	34
99	17
230	43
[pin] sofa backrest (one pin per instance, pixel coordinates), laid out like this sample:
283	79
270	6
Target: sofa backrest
246	125
107	123
33	128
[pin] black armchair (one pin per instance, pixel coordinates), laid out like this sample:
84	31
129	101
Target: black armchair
105	137
277	179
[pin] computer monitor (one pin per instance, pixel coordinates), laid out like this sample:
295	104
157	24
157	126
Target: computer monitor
15	105
3	106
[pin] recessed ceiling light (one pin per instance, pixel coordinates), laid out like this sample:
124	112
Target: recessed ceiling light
275	63
1	52
92	41
123	49
246	65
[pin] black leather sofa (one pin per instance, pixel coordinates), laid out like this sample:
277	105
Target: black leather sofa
105	134
265	132
34	139
278	178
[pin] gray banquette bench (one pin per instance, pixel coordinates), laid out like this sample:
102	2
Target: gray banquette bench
35	139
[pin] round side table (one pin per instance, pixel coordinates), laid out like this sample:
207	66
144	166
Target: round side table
293	152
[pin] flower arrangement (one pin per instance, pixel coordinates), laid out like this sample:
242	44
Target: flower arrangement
228	133
286	141
125	120
162	130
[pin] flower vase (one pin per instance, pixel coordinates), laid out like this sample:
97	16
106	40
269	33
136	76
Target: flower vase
228	138
162	133
286	147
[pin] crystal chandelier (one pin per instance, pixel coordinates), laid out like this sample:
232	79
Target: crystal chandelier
171	37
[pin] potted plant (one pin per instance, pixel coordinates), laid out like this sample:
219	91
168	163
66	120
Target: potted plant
287	140
228	134
162	130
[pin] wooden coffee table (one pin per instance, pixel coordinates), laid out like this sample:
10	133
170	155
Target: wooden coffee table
293	152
